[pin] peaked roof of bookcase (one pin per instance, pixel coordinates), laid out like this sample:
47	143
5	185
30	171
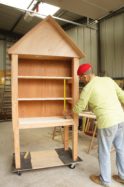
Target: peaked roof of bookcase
46	38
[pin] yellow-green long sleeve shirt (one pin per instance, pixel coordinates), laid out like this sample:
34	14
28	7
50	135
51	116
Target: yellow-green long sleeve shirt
104	97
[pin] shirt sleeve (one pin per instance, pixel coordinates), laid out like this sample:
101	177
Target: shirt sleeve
120	93
83	101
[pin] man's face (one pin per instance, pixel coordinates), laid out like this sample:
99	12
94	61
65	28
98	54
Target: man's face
84	78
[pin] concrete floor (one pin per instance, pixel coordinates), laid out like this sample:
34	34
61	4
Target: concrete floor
40	139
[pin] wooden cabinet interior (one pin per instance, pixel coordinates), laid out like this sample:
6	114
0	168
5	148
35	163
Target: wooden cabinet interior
39	97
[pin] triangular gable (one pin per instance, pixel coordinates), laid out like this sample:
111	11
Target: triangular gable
47	38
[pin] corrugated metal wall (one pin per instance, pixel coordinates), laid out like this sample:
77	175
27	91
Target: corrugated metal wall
112	46
2	61
5	78
2	54
86	39
4	44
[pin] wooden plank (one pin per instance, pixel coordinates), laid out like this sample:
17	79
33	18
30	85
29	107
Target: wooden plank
88	115
43	77
66	129
43	159
42	57
66	138
44	119
44	99
15	110
75	91
64	95
46	125
25	123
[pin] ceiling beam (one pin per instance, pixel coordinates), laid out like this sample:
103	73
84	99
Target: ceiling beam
113	13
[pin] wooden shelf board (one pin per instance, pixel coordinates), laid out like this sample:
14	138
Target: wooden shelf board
41	122
44	99
43	77
87	114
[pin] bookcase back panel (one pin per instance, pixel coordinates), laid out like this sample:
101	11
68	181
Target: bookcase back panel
43	88
44	67
42	108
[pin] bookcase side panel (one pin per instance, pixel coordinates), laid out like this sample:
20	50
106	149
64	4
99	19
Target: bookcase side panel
15	110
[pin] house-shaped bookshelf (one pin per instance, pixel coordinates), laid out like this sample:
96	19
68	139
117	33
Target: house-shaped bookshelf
44	82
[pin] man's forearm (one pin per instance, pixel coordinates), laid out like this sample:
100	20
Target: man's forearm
79	107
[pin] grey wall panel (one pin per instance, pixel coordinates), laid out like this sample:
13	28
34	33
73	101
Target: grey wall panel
87	44
94	49
5	42
86	39
119	46
73	34
80	38
103	45
2	54
112	46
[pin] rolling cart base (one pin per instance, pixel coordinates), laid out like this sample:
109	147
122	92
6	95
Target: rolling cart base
45	159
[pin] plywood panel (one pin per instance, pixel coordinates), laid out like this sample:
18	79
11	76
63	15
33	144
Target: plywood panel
38	159
43	88
42	108
45	67
48	39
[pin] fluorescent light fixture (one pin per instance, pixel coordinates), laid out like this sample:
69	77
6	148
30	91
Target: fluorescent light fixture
44	8
47	9
23	4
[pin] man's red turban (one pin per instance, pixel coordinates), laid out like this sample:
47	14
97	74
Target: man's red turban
83	68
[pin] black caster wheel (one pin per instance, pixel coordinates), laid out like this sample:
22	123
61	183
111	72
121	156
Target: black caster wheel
19	173
72	166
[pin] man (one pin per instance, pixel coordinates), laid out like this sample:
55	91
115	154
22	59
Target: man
104	97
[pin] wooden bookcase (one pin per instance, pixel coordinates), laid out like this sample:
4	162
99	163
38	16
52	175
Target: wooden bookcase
44	83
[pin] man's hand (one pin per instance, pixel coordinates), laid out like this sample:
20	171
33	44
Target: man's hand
67	114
